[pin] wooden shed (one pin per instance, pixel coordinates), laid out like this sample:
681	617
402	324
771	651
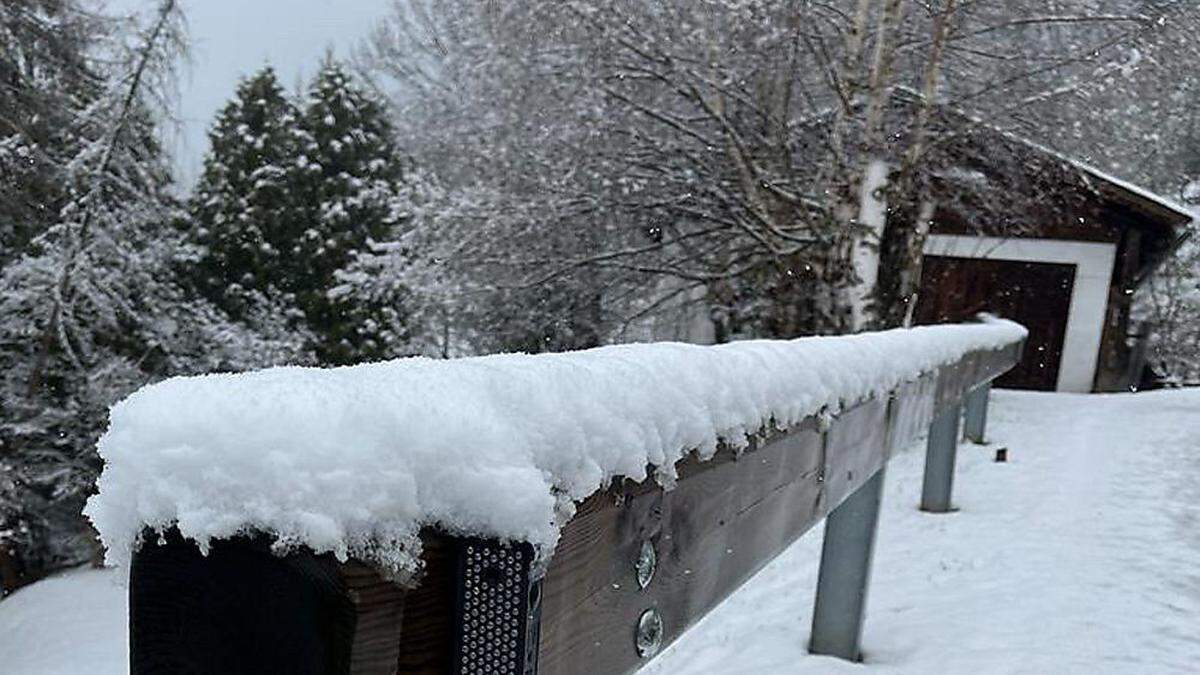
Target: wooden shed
1066	266
1018	230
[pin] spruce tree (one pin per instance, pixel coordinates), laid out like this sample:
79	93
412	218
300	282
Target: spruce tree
356	196
289	199
248	218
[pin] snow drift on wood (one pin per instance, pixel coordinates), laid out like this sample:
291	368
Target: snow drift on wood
356	460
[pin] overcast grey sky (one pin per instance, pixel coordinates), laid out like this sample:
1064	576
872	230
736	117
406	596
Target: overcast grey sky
231	38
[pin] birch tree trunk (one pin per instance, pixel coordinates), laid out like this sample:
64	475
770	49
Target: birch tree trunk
902	245
872	213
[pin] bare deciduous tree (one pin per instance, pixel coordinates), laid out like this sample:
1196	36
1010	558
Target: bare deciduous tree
753	157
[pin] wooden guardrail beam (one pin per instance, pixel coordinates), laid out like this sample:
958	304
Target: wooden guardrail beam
634	568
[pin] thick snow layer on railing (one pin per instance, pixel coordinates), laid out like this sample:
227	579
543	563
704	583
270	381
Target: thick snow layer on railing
357	460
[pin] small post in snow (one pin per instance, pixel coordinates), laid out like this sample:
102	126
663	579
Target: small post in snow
975	415
940	451
845	572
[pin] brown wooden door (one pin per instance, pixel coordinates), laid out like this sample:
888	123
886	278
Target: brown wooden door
1036	295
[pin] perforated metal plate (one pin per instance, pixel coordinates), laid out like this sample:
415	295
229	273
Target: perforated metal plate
498	609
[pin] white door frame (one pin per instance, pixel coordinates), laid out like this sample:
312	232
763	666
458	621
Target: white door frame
1093	263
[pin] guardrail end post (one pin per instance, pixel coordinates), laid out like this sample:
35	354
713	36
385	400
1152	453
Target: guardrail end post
845	573
975	417
940	452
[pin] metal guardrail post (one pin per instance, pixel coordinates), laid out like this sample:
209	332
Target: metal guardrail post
845	572
975	416
940	452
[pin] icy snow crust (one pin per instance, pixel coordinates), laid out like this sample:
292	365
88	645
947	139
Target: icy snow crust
357	460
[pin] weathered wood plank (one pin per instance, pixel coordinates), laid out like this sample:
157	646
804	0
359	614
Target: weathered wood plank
855	448
427	631
955	380
242	609
725	519
911	413
379	615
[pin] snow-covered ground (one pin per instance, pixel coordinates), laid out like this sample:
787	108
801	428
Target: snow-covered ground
71	624
1080	555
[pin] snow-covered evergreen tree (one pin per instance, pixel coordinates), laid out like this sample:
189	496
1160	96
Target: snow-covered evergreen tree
292	193
353	194
90	307
248	223
42	68
406	295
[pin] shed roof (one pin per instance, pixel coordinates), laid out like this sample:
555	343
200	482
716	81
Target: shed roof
1161	211
1163	222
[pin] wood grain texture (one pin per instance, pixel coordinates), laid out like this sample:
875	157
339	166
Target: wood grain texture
855	448
912	410
724	520
427	632
379	615
956	379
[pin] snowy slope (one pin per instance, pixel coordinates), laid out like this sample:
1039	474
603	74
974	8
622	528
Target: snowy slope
72	624
1081	555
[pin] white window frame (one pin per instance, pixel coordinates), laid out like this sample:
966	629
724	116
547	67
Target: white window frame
1093	263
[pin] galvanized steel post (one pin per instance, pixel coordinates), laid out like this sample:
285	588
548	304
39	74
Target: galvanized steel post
975	416
845	572
940	451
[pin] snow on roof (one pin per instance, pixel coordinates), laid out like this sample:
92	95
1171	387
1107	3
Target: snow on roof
1185	212
1192	215
356	460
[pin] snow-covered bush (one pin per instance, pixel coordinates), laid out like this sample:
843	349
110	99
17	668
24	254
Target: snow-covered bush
1171	304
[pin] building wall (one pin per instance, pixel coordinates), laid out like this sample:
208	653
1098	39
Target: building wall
1117	371
1094	263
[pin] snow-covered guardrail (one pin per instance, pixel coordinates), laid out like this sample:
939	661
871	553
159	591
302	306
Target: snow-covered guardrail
555	513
